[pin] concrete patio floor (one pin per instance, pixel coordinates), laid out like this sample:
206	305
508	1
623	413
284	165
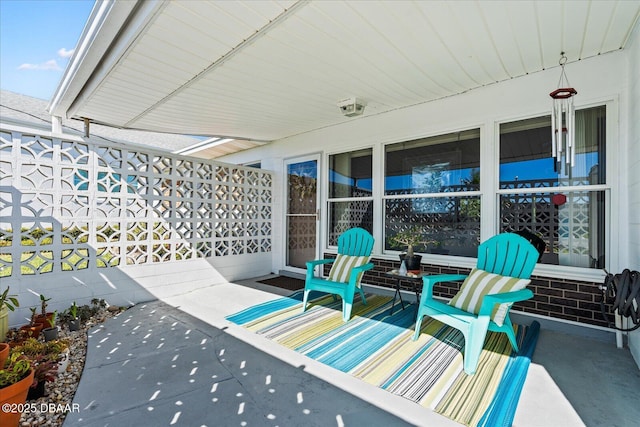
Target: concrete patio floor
177	361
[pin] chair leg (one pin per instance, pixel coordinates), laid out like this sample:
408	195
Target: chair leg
512	336
346	310
416	333
473	343
364	300
304	300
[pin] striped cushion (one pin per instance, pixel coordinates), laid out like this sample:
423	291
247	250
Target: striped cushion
341	268
480	283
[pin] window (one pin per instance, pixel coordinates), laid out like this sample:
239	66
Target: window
432	186
350	197
563	205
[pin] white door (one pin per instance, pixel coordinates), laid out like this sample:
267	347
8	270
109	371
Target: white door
302	213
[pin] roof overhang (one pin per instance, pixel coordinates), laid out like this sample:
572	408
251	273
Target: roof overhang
259	71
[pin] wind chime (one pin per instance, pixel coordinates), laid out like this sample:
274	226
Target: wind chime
563	115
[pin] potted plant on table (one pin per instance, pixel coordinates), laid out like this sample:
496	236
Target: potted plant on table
7	303
16	376
409	238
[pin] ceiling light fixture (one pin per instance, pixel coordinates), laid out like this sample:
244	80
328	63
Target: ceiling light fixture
351	107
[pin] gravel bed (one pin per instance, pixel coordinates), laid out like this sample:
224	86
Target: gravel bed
52	408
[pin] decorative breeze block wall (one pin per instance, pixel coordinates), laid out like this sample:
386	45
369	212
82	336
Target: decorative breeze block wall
68	204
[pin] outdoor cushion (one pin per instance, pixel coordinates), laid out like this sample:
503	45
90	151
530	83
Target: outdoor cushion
341	268
480	283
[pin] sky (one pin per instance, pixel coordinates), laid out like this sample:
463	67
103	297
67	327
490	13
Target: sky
37	39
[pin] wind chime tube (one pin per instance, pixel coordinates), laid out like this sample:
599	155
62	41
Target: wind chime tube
554	129
572	131
567	140
560	129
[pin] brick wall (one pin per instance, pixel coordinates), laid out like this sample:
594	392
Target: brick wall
556	298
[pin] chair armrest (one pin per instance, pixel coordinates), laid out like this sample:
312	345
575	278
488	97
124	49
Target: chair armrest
362	268
313	263
429	281
355	271
489	301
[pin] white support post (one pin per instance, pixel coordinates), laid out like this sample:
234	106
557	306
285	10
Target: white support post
56	124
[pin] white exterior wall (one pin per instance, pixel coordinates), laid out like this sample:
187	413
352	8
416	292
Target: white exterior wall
634	169
599	80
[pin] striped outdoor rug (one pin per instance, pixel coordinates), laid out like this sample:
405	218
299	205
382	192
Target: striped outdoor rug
378	349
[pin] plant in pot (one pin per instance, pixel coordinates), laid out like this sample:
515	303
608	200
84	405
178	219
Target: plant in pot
7	303
58	351
55	350
45	358
34	328
51	333
16	376
74	321
409	238
45	370
44	314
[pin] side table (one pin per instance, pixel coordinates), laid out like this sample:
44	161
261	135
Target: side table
412	278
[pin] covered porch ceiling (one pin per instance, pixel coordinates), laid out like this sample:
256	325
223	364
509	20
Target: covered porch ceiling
257	71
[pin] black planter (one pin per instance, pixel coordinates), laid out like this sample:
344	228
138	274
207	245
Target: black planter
50	333
36	392
74	325
412	263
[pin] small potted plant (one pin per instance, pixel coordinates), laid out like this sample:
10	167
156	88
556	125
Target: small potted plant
58	351
34	328
51	333
7	303
409	238
45	370
44	314
15	379
45	358
74	321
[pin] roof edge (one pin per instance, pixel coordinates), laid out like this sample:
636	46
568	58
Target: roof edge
106	29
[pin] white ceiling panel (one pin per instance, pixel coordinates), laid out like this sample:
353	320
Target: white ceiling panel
265	70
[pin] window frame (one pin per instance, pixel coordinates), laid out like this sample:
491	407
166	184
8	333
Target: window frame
426	256
611	192
490	192
325	215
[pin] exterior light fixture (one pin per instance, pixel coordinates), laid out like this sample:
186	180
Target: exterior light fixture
351	107
563	133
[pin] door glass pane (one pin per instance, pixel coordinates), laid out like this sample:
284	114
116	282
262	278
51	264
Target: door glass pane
302	180
303	185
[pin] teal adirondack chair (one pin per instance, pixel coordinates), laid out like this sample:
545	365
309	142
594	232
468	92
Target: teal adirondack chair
500	258
354	249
